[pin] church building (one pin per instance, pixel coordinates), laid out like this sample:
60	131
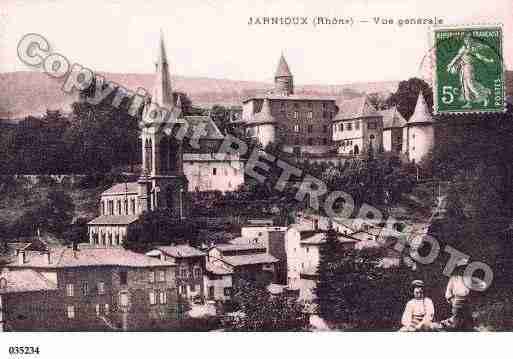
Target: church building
162	182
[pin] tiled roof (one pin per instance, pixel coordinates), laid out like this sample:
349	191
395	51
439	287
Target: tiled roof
211	157
320	238
421	113
283	69
218	268
238	246
203	127
392	118
359	107
181	251
294	97
24	280
248	259
63	257
112	220
123	188
262	117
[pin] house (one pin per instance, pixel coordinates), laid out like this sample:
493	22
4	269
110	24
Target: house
91	288
25	300
357	126
213	171
218	281
393	124
190	268
248	261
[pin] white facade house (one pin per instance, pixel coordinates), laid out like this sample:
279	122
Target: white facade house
393	126
213	171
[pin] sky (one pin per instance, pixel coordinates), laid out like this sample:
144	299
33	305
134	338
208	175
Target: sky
213	39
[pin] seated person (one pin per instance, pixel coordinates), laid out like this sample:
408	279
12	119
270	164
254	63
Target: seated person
419	312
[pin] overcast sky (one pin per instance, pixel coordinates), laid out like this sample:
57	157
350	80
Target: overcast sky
213	38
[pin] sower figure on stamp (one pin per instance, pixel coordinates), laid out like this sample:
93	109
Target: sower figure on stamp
464	63
458	296
419	312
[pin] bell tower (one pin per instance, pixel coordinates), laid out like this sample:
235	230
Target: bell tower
162	182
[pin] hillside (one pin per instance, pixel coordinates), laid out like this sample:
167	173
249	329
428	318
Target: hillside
29	93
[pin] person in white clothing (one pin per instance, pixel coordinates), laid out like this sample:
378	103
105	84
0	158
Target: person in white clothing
419	312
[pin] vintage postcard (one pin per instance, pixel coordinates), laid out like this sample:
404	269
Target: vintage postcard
231	166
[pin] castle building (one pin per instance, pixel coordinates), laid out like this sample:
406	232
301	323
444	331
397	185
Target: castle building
419	134
356	126
299	123
393	124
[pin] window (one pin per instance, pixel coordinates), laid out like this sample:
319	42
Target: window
211	292
372	125
191	288
357	125
123	299
153	299
123	277
295	115
126	206
197	288
309	115
118	204
132	205
310	128
324	141
163	297
103	208
214	171
296	127
296	105
349	126
197	272
116	239
97	309
310	142
161	276
324	128
183	272
282	107
101	288
110	207
69	290
85	288
71	312
106	309
110	238
227	291
151	277
182	289
335	128
324	106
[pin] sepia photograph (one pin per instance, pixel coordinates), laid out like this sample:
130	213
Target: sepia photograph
229	166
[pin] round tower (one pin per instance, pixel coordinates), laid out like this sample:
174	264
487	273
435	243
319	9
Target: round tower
420	134
283	79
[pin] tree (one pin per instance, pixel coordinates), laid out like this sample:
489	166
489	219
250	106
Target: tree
58	211
261	311
405	98
160	227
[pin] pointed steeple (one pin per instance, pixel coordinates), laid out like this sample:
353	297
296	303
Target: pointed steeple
162	93
283	69
421	113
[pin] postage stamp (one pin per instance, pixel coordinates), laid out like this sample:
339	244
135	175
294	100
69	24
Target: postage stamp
469	73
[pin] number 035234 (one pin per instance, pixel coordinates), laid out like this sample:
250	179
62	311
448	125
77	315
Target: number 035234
23	350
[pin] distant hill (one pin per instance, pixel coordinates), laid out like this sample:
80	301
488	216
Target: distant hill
31	93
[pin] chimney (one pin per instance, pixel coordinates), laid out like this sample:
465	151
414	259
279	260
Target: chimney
22	259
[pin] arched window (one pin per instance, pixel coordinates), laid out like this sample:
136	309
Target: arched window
148	154
356	150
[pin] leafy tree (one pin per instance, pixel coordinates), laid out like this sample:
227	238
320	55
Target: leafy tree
261	311
405	98
58	211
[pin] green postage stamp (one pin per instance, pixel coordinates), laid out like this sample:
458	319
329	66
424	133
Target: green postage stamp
469	73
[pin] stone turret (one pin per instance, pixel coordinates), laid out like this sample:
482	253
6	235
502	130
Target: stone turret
419	131
283	79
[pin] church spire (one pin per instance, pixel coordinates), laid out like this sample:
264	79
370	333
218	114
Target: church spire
162	93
